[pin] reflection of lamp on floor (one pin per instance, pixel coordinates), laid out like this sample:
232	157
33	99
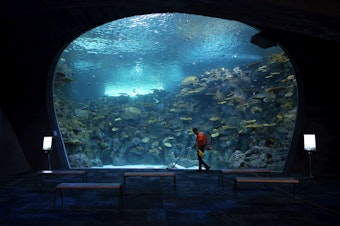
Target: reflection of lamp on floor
309	146
47	149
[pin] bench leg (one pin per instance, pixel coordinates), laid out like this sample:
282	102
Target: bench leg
61	196
120	199
85	177
55	197
175	183
124	182
219	178
235	189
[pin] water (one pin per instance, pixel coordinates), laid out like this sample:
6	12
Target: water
125	103
137	54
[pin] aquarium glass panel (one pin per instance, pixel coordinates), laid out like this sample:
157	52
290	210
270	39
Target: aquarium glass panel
128	93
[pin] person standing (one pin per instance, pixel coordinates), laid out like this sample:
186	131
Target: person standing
200	145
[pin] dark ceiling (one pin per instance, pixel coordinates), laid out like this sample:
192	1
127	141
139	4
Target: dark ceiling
317	18
33	32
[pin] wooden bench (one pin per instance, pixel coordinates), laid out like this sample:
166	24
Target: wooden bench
238	171
41	173
286	180
149	174
63	186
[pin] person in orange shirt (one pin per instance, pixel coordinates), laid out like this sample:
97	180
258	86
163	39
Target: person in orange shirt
200	145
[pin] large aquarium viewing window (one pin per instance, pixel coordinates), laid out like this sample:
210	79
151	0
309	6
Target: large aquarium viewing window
127	94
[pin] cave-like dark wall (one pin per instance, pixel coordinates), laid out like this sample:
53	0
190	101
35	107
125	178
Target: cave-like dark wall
33	34
316	65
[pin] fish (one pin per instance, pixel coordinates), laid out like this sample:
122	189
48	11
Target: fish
60	74
254	64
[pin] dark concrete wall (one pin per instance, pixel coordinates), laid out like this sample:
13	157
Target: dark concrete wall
316	65
33	35
12	159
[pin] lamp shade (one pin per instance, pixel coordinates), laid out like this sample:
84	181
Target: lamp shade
309	142
47	143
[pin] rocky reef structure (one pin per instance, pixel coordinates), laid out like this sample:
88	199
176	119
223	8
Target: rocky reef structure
250	112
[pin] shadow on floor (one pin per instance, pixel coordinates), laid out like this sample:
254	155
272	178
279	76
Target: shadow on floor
198	199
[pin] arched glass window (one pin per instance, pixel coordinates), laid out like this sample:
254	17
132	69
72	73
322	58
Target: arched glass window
128	93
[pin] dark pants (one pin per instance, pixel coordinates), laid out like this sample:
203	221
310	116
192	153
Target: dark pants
201	162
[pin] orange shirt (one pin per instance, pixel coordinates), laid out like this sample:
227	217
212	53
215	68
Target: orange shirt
200	139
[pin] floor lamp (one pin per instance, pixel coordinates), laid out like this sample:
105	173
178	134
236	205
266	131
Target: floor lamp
310	147
47	149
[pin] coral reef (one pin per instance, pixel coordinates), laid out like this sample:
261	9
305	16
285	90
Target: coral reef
251	115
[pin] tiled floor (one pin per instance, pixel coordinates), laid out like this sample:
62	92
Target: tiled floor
197	199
